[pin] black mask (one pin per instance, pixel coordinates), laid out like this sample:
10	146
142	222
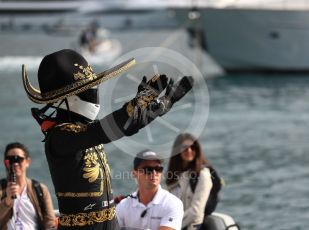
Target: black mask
90	95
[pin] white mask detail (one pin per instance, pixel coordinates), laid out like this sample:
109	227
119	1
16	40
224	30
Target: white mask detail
84	108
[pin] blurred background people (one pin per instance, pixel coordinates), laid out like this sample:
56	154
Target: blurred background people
88	36
150	207
21	206
186	164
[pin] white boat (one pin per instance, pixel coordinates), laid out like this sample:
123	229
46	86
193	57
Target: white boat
32	6
262	35
216	221
105	50
259	35
219	221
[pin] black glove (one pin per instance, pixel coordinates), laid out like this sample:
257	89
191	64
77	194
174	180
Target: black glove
146	106
156	84
139	109
174	92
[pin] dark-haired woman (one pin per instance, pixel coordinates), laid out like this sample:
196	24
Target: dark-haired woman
187	162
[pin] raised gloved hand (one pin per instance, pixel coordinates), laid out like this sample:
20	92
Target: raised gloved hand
146	106
174	92
139	109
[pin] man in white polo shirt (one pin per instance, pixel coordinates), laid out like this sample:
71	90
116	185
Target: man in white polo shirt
150	207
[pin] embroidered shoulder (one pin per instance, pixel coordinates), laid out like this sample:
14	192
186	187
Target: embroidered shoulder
76	128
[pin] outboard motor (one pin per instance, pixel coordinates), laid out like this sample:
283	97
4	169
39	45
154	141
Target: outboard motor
219	221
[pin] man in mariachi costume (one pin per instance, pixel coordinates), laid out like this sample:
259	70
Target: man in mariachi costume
74	138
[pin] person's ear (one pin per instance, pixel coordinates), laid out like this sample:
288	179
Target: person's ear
28	162
134	173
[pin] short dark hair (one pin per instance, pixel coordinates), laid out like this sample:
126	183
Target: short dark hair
18	146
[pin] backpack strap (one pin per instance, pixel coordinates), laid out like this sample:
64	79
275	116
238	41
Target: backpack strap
217	181
39	193
36	186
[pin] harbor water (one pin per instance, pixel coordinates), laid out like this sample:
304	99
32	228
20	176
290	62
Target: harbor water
254	128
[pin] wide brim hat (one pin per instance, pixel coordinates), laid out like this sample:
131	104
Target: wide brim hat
66	73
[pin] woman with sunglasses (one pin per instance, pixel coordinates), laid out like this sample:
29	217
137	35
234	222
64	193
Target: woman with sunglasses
20	206
186	164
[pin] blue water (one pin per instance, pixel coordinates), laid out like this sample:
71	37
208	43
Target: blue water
256	136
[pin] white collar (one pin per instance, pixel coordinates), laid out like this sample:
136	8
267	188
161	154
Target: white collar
156	199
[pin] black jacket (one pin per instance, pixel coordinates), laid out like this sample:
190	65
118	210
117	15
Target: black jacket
80	172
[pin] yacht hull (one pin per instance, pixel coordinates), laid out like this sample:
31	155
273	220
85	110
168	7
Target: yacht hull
255	39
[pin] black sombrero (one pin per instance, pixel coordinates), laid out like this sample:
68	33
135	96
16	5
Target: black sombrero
66	73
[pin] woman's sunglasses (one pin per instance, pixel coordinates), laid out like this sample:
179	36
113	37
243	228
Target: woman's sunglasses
186	147
14	159
149	170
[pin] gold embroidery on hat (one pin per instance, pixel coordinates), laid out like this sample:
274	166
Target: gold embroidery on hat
75	88
88	218
87	73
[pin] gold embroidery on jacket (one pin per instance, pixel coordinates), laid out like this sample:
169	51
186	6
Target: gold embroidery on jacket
81	194
92	169
92	172
74	128
106	167
84	219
